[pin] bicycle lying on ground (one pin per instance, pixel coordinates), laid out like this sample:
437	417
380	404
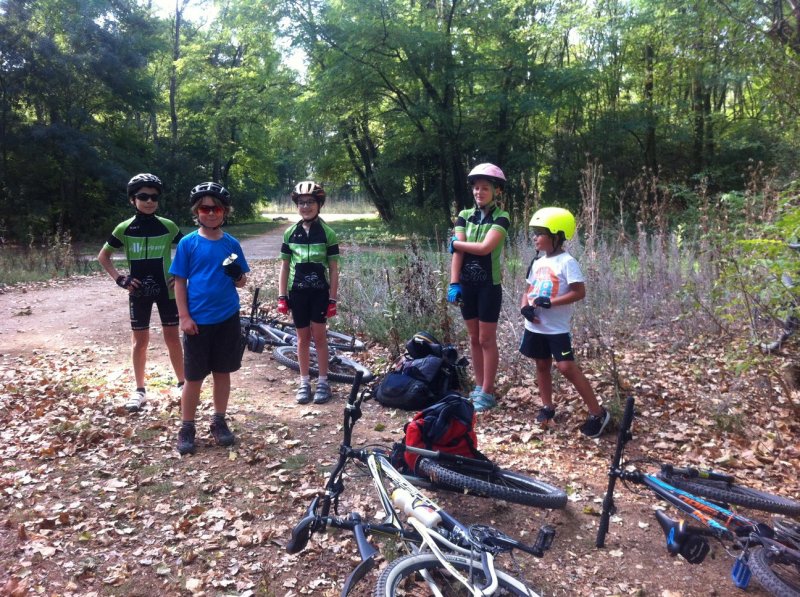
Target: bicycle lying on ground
445	557
260	332
770	553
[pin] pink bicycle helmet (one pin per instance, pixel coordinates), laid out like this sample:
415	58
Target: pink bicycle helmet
488	171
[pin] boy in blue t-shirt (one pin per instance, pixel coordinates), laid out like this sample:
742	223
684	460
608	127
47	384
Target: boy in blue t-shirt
208	267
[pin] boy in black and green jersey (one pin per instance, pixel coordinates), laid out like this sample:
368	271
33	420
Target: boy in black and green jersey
147	241
308	285
476	275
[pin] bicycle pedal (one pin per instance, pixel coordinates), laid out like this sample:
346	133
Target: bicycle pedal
740	573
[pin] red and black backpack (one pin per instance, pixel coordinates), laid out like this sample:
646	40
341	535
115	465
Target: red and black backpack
446	426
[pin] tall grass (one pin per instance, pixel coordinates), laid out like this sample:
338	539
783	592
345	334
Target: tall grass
41	259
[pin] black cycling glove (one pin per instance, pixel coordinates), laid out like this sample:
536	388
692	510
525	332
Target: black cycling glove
124	281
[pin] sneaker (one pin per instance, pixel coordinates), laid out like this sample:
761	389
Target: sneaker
222	435
323	393
473	395
186	440
545	415
303	394
135	401
596	424
484	402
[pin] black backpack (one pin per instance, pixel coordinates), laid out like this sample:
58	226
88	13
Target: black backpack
428	373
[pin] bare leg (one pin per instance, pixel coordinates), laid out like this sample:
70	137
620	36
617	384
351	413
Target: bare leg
320	331
172	339
475	349
222	391
573	373
190	398
303	346
140	340
487	333
544	379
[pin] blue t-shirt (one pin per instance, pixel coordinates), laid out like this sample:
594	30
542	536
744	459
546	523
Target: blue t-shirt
211	294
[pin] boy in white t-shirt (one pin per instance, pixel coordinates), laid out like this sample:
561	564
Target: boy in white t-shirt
555	281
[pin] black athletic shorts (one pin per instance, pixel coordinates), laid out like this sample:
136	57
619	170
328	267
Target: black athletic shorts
309	305
483	302
545	346
141	307
217	348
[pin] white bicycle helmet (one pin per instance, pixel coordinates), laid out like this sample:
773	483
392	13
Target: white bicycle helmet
309	187
488	171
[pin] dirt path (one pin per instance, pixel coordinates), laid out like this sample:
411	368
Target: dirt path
99	502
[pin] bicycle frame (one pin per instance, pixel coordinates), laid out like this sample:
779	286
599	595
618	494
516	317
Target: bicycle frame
450	535
718	520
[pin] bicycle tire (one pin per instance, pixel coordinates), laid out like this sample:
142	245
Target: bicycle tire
339	368
733	494
777	572
498	483
406	568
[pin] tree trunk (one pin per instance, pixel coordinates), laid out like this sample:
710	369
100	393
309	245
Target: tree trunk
650	132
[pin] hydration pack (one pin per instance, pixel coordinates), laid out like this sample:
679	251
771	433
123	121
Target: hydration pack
446	426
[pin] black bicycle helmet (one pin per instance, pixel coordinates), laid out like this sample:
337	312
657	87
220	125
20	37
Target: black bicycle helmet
209	188
309	187
144	180
423	344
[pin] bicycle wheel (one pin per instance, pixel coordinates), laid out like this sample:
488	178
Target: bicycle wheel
778	572
402	576
339	368
733	494
498	483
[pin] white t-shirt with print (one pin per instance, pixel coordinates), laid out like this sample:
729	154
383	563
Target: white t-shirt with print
551	277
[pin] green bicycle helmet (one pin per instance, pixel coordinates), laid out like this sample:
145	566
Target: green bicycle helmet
559	221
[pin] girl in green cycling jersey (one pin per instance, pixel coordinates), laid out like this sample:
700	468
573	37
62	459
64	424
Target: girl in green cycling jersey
476	276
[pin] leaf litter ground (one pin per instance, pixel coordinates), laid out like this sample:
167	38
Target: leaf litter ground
98	501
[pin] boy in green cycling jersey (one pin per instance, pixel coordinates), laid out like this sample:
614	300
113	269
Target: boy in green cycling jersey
555	282
147	241
308	285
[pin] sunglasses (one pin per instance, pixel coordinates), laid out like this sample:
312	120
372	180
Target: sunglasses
209	209
147	197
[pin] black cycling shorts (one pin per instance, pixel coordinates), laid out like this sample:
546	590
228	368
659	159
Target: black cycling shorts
309	305
217	348
546	346
483	302
141	307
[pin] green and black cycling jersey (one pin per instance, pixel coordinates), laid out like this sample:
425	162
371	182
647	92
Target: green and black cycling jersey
147	241
482	270
308	254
